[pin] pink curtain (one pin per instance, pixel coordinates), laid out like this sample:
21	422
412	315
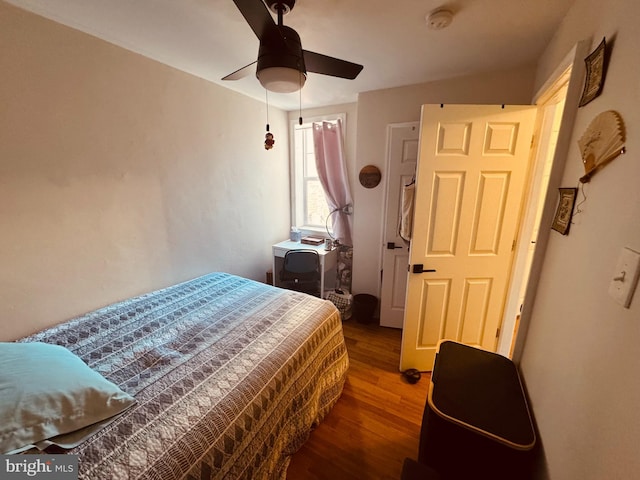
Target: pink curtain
332	171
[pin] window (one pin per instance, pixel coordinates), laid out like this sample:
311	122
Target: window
309	206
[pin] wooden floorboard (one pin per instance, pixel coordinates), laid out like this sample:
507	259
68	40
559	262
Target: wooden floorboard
376	422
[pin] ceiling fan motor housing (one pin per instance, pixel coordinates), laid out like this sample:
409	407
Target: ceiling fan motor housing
273	54
282	63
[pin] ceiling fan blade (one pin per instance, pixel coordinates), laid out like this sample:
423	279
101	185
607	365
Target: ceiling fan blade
257	15
318	63
241	72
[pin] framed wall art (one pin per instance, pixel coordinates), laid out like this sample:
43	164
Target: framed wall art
562	220
595	63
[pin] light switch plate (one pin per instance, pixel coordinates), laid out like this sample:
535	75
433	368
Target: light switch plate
625	277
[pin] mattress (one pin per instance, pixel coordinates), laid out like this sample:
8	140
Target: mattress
230	377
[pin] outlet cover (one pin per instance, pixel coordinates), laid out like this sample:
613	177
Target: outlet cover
625	277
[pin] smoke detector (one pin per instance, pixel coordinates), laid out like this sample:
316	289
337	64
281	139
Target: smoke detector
439	19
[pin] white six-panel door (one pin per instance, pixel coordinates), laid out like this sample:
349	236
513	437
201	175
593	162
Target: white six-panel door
402	159
472	166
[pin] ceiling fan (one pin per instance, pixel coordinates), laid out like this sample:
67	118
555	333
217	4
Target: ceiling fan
282	64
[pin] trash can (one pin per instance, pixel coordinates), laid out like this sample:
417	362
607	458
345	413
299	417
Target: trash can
364	307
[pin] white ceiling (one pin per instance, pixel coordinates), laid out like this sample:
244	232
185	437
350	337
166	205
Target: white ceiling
210	38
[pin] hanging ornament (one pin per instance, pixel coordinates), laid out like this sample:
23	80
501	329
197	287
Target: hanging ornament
268	138
268	141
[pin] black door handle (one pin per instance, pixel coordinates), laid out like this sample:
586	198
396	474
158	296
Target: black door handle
392	245
419	268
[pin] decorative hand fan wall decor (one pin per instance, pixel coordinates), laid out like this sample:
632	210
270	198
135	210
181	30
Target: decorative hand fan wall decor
601	142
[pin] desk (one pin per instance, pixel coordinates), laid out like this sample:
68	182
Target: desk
328	262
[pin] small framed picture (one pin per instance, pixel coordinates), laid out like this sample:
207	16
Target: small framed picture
595	64
562	220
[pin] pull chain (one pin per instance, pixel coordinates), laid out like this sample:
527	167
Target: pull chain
268	138
266	102
300	101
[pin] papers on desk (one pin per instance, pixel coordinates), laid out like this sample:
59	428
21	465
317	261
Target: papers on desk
311	240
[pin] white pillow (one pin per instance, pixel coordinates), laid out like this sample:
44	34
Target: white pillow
47	391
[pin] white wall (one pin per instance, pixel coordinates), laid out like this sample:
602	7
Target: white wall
379	108
581	358
120	175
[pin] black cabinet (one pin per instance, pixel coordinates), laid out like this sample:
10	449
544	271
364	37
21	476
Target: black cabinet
476	422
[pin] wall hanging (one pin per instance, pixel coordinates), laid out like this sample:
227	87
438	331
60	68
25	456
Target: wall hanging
370	176
601	142
595	63
562	220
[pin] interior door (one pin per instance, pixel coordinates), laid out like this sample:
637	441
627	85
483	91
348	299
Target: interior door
402	159
472	165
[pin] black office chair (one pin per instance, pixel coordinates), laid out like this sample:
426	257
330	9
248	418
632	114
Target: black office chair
301	271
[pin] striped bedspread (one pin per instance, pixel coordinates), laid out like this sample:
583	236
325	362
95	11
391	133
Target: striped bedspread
230	376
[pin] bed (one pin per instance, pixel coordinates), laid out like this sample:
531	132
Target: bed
229	377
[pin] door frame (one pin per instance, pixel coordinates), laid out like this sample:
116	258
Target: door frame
511	343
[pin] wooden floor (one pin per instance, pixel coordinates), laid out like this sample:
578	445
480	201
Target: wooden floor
376	422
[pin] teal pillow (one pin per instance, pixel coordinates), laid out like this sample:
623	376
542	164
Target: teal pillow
48	394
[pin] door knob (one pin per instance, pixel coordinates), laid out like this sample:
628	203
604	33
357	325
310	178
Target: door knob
392	245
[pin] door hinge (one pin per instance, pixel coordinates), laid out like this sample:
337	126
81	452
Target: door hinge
498	333
513	245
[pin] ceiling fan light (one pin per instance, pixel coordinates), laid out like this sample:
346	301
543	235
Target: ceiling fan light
281	79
